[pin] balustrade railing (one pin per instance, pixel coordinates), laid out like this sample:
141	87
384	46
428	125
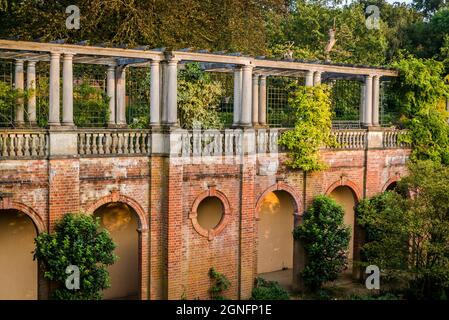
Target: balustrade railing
390	139
350	139
23	144
16	144
109	142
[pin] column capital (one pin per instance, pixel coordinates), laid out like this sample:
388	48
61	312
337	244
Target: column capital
19	62
55	54
68	55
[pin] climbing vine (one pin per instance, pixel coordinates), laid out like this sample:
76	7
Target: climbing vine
312	130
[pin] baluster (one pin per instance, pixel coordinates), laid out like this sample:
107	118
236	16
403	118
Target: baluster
126	143
120	143
137	146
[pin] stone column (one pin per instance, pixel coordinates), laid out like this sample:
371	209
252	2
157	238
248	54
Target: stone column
155	112
263	101
237	96
53	113
368	112
255	100
67	90
247	71
19	119
309	78
317	78
121	96
111	95
376	89
31	86
172	93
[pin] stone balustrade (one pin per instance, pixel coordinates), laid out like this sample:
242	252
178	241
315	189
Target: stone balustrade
16	144
350	139
112	142
390	139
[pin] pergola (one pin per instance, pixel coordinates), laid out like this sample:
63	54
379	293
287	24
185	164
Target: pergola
250	74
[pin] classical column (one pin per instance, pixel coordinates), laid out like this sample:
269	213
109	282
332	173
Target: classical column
155	112
368	101
19	85
67	90
317	78
111	95
263	101
309	78
31	86
53	114
121	96
237	95
172	93
376	87
255	100
246	95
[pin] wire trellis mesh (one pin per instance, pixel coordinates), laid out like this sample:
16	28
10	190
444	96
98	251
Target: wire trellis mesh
389	113
279	113
138	96
226	106
6	76
345	99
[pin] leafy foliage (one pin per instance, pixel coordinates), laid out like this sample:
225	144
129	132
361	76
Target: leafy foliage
268	290
8	96
408	232
220	283
76	241
198	99
312	130
91	105
326	241
422	93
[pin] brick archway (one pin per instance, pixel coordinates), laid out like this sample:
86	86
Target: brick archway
8	204
117	197
143	236
280	186
390	181
346	183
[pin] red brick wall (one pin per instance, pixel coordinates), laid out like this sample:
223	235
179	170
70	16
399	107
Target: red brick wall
175	258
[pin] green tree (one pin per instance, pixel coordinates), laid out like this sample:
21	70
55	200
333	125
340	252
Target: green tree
76	241
313	122
408	232
421	92
326	241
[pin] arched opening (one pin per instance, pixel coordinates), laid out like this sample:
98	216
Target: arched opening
346	198
210	213
121	222
18	270
392	186
275	239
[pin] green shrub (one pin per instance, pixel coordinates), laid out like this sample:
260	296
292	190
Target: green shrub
326	241
76	241
268	290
